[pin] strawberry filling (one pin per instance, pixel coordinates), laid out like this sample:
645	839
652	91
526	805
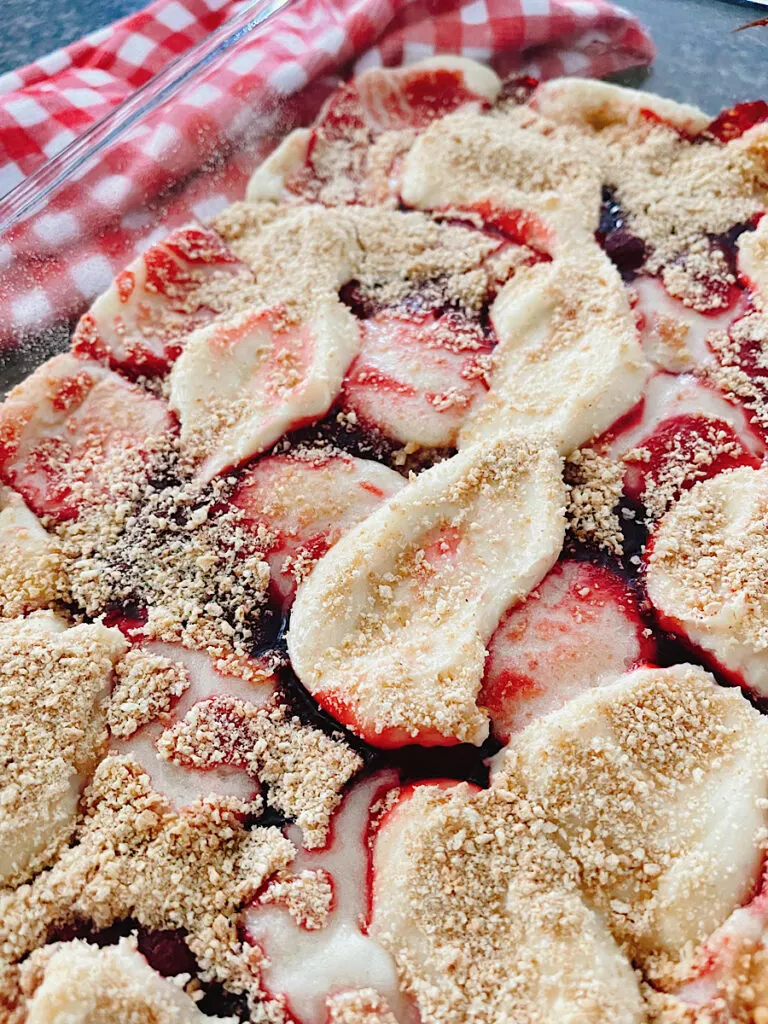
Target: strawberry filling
580	628
65	432
139	325
418	373
733	122
687	447
298	507
359	112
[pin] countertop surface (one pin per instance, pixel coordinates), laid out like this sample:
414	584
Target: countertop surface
701	59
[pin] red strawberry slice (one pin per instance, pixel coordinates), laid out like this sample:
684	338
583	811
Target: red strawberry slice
415	97
382	99
580	628
65	430
682	432
417	374
140	323
734	121
673	335
182	783
300	504
306	967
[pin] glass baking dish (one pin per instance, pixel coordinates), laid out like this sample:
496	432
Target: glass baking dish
701	60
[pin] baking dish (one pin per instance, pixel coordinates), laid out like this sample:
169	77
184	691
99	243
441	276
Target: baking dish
210	168
196	181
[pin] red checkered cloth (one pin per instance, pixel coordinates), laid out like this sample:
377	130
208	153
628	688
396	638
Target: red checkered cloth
52	264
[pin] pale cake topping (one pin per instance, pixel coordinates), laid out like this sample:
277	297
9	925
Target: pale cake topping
568	362
599	105
32	572
707	570
624	827
76	983
484	917
428	561
54	689
239	387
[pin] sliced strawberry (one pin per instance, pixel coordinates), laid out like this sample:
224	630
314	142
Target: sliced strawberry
182	783
580	628
239	387
734	121
519	226
682	432
65	430
414	97
140	323
417	374
335	168
682	450
673	335
305	967
301	504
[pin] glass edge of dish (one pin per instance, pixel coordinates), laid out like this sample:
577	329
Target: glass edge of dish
32	194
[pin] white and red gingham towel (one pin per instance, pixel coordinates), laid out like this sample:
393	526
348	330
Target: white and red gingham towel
54	262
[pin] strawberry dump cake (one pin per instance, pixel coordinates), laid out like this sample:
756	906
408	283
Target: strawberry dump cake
383	616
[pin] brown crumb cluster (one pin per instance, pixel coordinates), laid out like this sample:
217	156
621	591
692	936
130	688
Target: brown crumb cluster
308	897
363	1007
304	769
146	686
132	857
594	485
175	551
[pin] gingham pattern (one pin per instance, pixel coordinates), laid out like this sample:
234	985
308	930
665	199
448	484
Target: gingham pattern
53	263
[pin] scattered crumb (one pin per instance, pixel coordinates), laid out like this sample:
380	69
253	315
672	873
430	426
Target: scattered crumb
594	485
308	897
304	769
146	687
132	857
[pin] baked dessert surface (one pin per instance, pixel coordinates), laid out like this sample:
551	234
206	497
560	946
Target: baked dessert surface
384	627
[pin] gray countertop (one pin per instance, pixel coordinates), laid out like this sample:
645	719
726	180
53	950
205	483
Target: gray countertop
701	59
